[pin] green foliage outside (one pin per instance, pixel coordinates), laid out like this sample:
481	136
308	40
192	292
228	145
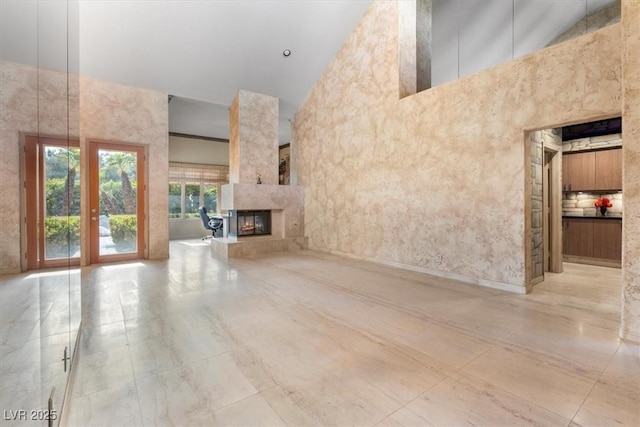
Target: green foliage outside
191	200
62	230
175	200
123	228
211	198
55	189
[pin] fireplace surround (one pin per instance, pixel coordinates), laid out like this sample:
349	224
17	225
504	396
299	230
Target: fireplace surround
249	223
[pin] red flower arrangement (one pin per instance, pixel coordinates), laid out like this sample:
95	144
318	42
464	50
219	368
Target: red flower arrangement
603	202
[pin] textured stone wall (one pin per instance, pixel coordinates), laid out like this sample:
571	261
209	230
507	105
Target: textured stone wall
537	242
435	181
253	149
593	143
538	140
631	169
113	112
253	138
31	100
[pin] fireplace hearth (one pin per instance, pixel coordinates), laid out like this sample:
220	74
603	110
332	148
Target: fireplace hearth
249	223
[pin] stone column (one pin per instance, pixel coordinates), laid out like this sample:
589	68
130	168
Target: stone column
253	138
630	325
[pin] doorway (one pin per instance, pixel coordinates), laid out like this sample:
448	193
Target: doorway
116	202
552	209
52	202
544	162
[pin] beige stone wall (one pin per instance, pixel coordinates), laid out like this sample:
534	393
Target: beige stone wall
31	100
253	138
112	112
436	181
593	143
631	169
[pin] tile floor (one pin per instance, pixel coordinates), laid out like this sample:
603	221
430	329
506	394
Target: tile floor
35	321
309	338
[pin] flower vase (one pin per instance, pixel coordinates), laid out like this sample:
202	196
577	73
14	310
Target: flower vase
603	210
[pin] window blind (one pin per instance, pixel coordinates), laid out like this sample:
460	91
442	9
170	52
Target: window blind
198	173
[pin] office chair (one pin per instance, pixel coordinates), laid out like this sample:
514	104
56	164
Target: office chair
210	223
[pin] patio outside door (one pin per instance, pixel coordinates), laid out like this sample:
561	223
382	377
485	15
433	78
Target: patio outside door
116	206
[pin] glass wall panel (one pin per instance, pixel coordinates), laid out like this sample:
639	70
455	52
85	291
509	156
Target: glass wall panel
39	309
469	36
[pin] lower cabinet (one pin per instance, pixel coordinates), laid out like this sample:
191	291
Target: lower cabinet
578	237
593	238
607	239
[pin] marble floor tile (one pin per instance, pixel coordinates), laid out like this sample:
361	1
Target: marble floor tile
582	344
113	406
404	418
252	411
316	339
168	351
190	394
615	400
465	400
334	396
553	384
102	370
102	338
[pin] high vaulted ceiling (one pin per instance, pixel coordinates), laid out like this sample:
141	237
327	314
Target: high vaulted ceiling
202	52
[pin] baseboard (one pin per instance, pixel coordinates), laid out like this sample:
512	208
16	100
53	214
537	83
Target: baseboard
444	274
629	336
537	280
592	261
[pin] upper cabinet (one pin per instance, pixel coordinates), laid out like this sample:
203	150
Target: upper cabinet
592	170
609	169
578	171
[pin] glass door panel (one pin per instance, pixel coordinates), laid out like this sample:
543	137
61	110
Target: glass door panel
117	202
61	208
52	207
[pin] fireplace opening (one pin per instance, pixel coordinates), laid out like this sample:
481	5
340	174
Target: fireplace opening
249	223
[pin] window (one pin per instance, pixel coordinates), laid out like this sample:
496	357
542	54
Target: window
194	185
175	200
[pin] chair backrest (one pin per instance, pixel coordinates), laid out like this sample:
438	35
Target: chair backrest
204	217
209	223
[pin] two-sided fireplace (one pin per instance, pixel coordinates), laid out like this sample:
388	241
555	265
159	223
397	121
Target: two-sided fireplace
249	223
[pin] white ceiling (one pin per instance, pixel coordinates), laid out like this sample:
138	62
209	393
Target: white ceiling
203	51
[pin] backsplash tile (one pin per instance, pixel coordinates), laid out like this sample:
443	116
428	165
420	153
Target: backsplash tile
583	204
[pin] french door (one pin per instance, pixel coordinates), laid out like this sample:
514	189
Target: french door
116	205
52	202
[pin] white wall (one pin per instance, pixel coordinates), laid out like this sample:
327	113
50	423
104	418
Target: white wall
191	150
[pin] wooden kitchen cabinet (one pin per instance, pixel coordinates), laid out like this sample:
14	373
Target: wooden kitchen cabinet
608	169
607	239
579	171
578	237
592	170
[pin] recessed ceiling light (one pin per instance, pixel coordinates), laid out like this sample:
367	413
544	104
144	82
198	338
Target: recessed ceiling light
286	52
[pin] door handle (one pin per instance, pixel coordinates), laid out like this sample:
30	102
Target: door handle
94	218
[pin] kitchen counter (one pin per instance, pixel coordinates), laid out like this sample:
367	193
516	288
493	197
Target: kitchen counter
591	217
